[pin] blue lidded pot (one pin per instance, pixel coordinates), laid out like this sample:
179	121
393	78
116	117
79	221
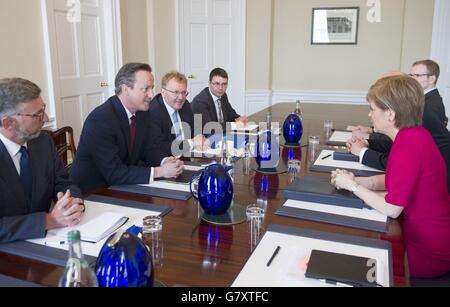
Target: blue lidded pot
292	129
124	261
213	188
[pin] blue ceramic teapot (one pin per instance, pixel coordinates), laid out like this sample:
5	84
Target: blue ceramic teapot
292	129
213	188
124	261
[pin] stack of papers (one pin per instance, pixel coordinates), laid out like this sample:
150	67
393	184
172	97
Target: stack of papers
94	226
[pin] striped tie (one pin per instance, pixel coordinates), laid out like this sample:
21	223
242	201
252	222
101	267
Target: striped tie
219	108
176	125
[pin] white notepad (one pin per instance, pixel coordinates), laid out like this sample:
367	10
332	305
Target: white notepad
94	226
93	209
287	270
330	162
364	213
340	136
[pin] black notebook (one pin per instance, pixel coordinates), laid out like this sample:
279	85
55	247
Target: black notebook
184	178
317	189
341	268
345	156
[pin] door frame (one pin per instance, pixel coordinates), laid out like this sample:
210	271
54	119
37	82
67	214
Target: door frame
440	43
114	59
240	83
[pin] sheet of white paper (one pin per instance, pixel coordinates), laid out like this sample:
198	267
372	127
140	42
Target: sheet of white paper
248	127
135	218
341	164
351	128
340	136
168	186
218	151
366	214
193	168
95	225
288	269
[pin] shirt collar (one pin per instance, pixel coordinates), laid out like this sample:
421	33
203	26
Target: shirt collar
169	108
129	114
11	147
214	96
430	90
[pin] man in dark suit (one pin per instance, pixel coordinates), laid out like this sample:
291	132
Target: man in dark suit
114	146
31	173
171	119
213	105
375	152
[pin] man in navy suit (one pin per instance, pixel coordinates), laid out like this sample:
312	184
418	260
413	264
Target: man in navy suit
32	175
375	151
171	119
212	103
114	146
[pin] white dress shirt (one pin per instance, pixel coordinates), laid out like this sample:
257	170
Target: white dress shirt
129	115
13	150
215	98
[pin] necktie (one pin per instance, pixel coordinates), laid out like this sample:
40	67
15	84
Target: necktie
132	130
25	172
219	108
176	125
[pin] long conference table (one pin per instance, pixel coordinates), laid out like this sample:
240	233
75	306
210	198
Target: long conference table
189	256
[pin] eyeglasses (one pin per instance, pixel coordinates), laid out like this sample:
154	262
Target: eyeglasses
217	84
418	75
177	93
39	114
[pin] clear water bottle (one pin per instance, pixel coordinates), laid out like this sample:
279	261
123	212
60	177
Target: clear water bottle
77	273
297	111
269	120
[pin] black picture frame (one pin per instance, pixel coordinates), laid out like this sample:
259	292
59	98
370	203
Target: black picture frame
335	26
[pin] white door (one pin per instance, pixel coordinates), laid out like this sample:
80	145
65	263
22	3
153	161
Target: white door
212	34
440	50
79	58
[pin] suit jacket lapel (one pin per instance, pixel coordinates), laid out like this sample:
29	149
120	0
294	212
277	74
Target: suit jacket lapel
140	129
37	171
212	106
123	121
9	174
167	120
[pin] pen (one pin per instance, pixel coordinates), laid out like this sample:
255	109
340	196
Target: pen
273	255
326	157
55	242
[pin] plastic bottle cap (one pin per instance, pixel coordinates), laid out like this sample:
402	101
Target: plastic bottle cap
73	235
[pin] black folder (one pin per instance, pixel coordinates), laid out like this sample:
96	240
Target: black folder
345	156
342	268
317	189
184	178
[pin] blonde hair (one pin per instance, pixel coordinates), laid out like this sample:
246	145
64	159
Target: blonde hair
179	77
403	95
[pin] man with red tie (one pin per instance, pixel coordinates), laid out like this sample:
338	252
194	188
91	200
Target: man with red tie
114	145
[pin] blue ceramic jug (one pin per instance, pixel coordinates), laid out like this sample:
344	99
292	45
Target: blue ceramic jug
292	129
267	150
124	261
214	189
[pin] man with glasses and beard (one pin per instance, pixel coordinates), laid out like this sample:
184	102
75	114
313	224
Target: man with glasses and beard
31	174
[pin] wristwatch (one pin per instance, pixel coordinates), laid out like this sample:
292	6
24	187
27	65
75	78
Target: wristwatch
354	188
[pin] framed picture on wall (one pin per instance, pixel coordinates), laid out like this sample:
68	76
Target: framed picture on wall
335	26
